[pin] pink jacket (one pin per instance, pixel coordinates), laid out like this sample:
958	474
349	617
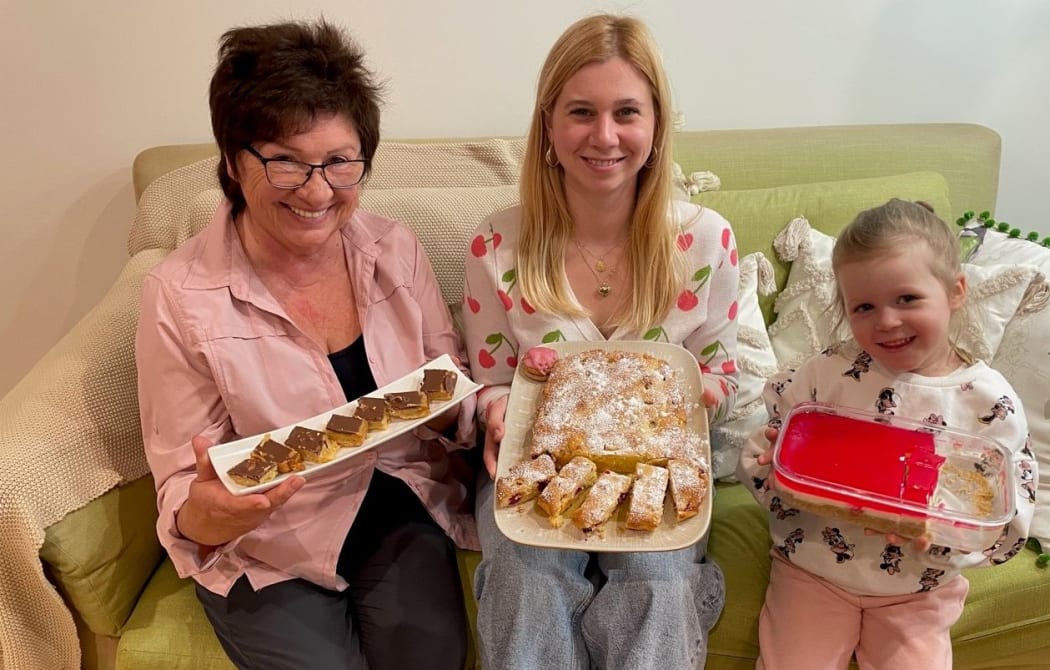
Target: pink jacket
218	356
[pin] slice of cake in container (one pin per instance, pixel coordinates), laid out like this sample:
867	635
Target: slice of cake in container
894	475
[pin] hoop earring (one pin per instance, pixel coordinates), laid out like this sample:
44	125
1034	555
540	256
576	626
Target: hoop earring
652	157
549	158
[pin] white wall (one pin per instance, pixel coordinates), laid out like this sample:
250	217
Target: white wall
86	85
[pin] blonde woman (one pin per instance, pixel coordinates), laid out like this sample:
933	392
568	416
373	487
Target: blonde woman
597	250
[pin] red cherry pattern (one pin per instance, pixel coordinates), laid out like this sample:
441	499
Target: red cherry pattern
508	304
477	245
687	300
685	240
473	305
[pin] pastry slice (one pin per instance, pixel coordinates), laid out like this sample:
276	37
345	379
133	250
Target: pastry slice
566	488
346	431
646	510
285	458
602	500
251	472
374	411
438	384
407	404
524	481
688	487
311	445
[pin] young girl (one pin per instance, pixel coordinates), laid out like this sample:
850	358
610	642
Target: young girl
835	588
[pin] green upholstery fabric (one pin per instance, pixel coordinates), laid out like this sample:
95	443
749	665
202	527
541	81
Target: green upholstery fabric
739	544
169	629
103	552
755	213
966	154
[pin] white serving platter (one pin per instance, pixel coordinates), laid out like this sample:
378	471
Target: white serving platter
228	454
527	525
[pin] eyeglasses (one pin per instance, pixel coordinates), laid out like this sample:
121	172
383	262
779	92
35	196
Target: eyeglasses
286	173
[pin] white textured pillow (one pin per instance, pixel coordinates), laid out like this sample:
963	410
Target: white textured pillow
756	363
1024	358
443	218
805	320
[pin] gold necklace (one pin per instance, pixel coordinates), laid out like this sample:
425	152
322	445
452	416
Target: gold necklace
599	259
604	289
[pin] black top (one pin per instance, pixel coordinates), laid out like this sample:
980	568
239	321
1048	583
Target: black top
351	368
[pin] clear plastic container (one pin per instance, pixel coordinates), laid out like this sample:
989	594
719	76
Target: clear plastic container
894	475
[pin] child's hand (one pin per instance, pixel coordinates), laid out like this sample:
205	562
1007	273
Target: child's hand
920	544
766	457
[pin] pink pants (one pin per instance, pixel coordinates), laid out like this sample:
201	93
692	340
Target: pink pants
809	624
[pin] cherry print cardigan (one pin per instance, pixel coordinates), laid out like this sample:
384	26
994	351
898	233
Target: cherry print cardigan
501	326
975	398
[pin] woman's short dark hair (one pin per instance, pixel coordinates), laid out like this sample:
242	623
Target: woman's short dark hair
274	81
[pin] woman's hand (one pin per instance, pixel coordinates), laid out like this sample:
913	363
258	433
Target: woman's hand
495	428
212	516
709	398
444	421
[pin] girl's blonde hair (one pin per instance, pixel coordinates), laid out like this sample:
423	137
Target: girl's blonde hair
546	228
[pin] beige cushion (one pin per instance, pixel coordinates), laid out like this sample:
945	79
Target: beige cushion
444	219
441	164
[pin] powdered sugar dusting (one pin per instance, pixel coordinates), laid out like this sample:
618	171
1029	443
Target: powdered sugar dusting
614	403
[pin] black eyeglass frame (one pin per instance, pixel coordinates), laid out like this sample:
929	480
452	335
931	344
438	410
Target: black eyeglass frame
313	166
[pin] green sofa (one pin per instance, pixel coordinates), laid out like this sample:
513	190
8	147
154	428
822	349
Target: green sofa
103	560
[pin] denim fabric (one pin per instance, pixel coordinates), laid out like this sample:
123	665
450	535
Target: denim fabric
537	608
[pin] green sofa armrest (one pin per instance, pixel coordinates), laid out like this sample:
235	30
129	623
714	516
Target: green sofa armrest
69	431
102	555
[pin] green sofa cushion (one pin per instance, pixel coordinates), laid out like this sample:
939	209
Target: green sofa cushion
1005	623
828	206
169	629
102	554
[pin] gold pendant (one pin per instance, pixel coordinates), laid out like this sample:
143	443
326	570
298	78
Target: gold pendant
604	290
600	265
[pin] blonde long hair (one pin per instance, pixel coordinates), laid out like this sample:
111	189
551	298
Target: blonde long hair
657	265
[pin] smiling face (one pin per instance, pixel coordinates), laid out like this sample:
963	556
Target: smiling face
299	221
898	310
601	128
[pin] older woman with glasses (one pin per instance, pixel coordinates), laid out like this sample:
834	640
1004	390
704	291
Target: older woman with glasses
289	303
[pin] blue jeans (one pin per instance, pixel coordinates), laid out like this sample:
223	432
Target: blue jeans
540	608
